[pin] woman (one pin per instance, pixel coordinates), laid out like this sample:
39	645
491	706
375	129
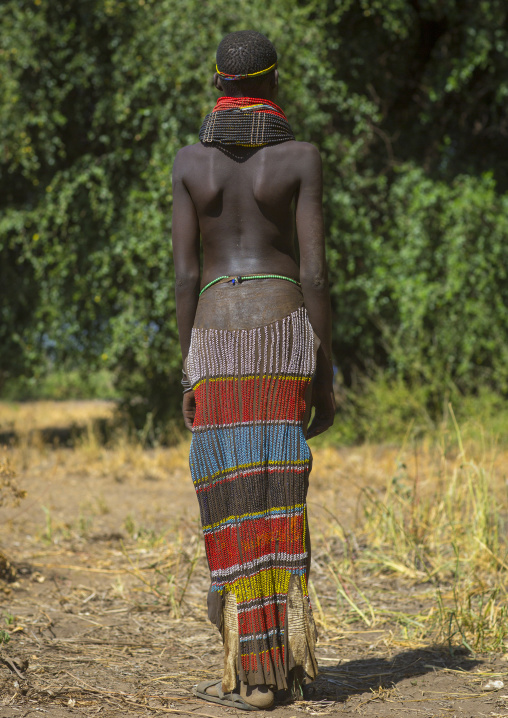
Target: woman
255	337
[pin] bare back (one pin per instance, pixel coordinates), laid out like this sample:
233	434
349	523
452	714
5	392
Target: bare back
241	207
244	202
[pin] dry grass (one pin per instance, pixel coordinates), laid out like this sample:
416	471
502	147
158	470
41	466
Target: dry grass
409	551
26	417
433	514
9	489
437	525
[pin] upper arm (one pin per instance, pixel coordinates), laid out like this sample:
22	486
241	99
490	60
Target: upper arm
185	225
309	214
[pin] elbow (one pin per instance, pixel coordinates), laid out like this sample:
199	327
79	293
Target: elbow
186	277
314	281
187	282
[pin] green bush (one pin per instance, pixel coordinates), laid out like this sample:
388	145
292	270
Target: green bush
407	103
61	385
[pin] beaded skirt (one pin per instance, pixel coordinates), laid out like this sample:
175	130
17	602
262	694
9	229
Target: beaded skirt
250	465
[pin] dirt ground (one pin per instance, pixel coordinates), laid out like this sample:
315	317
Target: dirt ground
104	599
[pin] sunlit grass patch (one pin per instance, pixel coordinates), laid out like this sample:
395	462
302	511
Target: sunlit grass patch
438	527
29	417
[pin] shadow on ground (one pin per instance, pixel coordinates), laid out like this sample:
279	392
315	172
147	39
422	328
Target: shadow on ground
345	680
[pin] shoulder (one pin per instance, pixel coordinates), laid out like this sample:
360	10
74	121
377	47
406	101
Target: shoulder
306	157
302	150
185	159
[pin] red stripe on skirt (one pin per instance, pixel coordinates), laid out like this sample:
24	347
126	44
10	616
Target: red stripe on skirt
233	400
258	538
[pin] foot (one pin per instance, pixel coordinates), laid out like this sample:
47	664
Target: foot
259	696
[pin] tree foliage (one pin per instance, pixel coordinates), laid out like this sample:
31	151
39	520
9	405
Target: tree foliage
405	99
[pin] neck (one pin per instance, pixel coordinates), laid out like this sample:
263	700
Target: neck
245	121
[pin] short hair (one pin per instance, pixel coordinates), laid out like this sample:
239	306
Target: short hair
245	52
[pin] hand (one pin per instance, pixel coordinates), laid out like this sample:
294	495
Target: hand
323	402
189	409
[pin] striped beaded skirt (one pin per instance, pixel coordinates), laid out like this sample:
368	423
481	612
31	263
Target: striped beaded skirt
250	363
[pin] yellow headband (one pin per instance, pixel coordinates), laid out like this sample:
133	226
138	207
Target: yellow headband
226	76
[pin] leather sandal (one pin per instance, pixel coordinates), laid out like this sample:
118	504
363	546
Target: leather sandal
232	700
